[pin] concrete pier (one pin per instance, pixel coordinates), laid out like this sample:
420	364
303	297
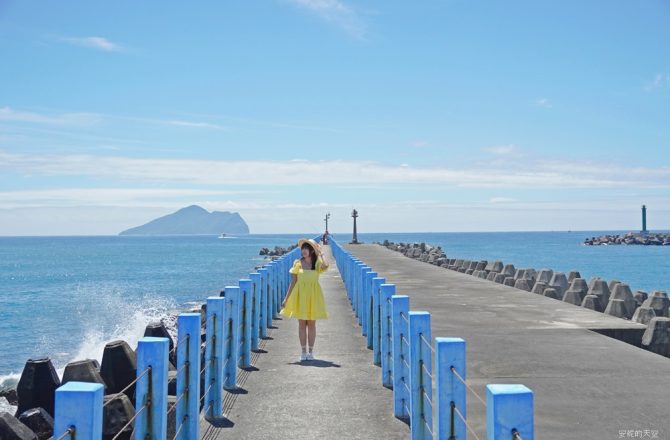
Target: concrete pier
586	385
336	396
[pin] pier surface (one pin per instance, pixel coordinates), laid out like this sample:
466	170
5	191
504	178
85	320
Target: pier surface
338	395
585	384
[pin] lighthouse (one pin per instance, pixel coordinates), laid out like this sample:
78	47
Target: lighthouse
644	220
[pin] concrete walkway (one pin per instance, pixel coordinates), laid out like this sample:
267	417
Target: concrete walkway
336	396
586	385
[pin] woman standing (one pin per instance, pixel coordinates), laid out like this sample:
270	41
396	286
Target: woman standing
304	299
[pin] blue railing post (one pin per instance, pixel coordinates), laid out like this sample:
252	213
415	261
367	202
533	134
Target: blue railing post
386	349
400	306
151	394
229	356
235	333
349	268
349	263
374	324
263	302
362	293
353	270
276	302
245	321
284	278
358	273
273	292
188	375
268	291
509	408
255	308
367	306
213	404
420	360
450	352
78	406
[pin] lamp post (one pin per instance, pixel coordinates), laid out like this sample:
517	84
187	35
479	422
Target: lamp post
354	214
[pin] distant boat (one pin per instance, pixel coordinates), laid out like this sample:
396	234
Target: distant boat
222	236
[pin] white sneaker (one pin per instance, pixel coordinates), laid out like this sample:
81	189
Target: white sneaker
303	357
310	357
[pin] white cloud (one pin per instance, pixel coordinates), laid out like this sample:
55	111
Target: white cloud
191	124
337	13
86	119
660	81
98	43
543	102
139	197
536	173
419	143
502	200
400	216
69	119
503	150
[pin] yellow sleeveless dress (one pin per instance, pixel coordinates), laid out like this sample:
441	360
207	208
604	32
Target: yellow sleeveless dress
306	300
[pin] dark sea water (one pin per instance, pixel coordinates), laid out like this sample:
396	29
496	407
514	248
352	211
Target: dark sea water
65	297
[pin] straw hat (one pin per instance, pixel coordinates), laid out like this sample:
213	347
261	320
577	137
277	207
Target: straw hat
311	242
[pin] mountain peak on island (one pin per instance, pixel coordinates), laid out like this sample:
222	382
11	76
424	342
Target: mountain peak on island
192	209
193	220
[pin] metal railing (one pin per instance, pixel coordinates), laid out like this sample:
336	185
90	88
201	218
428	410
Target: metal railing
406	355
234	324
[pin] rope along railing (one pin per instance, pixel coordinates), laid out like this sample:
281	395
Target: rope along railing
127	387
68	433
130	422
474	393
455	411
407	354
234	324
183	341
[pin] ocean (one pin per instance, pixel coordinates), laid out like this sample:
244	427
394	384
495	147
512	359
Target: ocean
65	297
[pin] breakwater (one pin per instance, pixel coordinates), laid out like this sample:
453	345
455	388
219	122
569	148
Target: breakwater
277	251
631	238
218	335
414	363
613	298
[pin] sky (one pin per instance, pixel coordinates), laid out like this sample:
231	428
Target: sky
424	116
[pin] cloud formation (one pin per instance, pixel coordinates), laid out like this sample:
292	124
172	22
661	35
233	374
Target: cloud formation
536	173
543	102
70	119
87	119
337	13
660	81
99	43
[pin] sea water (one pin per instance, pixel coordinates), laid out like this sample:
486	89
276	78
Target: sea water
66	297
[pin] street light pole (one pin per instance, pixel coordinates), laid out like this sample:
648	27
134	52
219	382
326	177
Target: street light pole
354	214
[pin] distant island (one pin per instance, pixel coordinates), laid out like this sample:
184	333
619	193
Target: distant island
193	220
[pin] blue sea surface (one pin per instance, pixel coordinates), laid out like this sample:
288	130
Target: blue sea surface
642	267
65	297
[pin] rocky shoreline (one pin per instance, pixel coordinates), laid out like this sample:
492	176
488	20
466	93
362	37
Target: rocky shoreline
631	238
31	401
34	394
614	298
278	251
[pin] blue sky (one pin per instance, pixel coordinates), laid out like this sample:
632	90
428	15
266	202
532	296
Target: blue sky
425	116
